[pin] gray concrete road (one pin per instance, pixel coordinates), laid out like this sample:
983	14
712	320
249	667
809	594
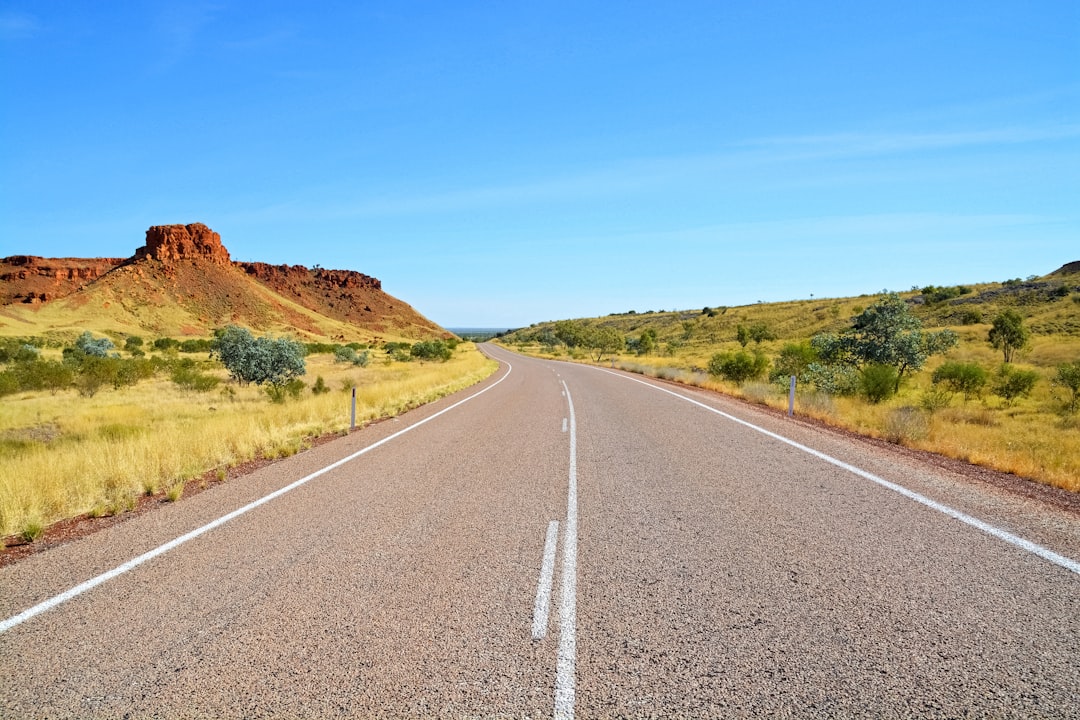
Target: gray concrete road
700	567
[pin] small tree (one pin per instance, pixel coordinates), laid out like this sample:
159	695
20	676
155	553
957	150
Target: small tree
1012	383
742	335
1008	334
886	333
646	344
605	340
275	361
1068	377
759	331
961	377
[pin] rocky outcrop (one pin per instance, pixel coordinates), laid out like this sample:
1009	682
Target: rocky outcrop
286	276
32	279
170	243
1072	268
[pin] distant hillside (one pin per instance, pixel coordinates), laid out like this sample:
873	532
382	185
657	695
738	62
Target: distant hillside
182	282
1044	303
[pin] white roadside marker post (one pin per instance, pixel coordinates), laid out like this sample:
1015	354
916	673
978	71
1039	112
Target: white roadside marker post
352	413
791	398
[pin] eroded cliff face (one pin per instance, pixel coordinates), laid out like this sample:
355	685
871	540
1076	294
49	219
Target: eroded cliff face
285	276
170	243
33	279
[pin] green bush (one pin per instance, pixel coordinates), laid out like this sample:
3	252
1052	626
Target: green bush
794	359
276	361
739	366
320	388
961	377
431	350
188	378
1068	377
279	392
196	346
1012	383
345	353
934	399
878	382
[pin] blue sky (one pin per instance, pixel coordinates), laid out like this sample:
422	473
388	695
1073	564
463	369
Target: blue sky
498	164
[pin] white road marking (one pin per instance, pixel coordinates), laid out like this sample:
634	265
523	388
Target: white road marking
542	606
162	549
564	424
1005	535
567	655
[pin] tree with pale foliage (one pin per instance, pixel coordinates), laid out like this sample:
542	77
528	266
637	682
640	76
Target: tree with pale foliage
886	333
248	359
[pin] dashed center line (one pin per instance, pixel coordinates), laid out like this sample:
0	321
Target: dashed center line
567	654
542	606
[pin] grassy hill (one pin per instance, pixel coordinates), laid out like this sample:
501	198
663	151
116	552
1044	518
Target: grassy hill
1036	436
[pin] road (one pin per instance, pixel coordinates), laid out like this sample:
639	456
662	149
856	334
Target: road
699	567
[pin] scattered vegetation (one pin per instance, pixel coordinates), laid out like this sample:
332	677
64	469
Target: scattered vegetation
986	373
98	454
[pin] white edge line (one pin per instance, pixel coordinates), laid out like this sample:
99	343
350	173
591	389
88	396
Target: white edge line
1005	535
162	549
567	653
542	606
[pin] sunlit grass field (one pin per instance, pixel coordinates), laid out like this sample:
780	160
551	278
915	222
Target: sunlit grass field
63	455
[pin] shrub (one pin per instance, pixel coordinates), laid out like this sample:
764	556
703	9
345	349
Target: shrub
794	359
833	379
195	346
739	366
400	351
345	353
961	377
187	377
1068	377
92	347
263	360
279	392
431	350
1012	383
165	344
905	425
878	382
320	387
934	399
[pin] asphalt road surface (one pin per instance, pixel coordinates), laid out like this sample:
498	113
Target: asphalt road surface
562	541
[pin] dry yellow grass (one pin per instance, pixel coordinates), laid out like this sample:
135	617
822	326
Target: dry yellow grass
64	455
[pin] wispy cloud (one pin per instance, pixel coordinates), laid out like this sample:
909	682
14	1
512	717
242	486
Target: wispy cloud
179	25
16	25
851	144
